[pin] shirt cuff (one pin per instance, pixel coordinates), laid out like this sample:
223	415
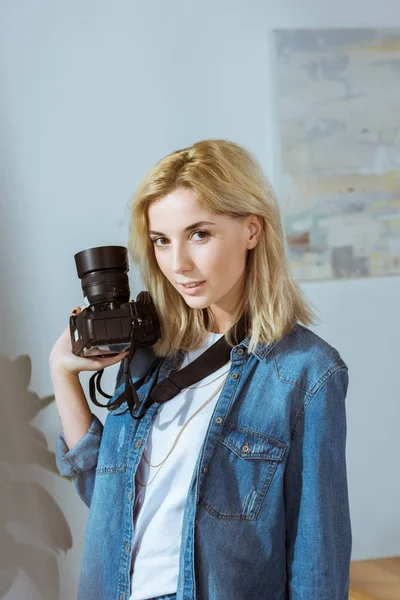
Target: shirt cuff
83	456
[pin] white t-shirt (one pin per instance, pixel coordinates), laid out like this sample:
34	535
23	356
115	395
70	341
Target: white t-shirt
159	508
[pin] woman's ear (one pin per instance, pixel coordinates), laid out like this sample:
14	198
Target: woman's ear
255	230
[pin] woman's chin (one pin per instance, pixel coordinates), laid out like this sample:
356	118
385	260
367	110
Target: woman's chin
196	301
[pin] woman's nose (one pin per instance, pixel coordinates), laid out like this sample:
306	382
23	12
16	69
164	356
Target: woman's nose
181	260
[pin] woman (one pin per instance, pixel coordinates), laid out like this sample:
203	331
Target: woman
236	488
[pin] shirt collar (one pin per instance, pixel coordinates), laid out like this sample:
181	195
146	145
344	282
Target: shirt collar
261	350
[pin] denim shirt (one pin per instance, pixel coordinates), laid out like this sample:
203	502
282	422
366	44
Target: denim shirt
267	512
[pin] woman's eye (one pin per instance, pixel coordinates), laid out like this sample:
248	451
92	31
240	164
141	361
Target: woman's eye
203	237
205	232
155	240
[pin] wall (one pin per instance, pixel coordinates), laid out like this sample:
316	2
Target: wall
92	95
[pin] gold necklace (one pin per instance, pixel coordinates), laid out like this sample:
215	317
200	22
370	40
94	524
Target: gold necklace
183	428
206	384
186	423
177	438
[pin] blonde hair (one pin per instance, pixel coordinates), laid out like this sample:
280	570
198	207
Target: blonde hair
229	181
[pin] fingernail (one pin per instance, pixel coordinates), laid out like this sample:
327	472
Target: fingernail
74	312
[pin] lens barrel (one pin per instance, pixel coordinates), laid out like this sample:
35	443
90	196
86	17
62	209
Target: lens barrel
103	273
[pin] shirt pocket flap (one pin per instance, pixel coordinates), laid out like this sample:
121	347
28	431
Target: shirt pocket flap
250	444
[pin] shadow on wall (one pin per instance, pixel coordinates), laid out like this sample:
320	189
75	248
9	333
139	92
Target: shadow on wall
33	528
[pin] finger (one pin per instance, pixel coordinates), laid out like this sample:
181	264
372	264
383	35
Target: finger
119	357
107	362
112	357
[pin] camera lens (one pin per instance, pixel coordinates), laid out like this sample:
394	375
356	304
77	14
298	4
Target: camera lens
103	272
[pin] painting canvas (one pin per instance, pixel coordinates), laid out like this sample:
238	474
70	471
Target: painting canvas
339	128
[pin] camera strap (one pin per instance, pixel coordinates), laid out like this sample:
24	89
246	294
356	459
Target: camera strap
215	357
207	363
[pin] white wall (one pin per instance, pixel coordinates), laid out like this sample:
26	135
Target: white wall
92	95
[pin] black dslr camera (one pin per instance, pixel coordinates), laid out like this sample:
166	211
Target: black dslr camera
110	323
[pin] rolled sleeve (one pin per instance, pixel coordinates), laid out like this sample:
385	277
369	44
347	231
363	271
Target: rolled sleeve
83	456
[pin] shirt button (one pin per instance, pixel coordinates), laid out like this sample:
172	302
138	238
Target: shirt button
245	448
138	444
122	597
129	496
235	375
205	469
218	420
240	351
126	547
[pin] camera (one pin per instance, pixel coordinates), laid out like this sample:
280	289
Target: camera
111	322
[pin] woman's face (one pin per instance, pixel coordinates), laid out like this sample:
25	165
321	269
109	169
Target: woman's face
189	250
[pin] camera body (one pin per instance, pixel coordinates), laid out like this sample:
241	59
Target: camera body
111	322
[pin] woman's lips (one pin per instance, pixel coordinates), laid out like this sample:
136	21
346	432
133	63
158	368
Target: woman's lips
192	290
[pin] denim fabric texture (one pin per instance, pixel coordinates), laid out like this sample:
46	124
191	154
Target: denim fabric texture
267	513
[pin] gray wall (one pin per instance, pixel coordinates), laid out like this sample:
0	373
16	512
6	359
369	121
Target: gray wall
92	94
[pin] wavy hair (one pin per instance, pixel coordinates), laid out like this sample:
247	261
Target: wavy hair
227	180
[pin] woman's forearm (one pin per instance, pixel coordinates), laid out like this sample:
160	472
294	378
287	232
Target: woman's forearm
72	407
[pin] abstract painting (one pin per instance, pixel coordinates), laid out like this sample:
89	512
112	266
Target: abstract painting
338	96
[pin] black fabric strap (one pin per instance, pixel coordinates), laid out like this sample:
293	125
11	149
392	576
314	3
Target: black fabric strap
210	361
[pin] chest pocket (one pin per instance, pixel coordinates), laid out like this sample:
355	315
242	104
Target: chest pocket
240	473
